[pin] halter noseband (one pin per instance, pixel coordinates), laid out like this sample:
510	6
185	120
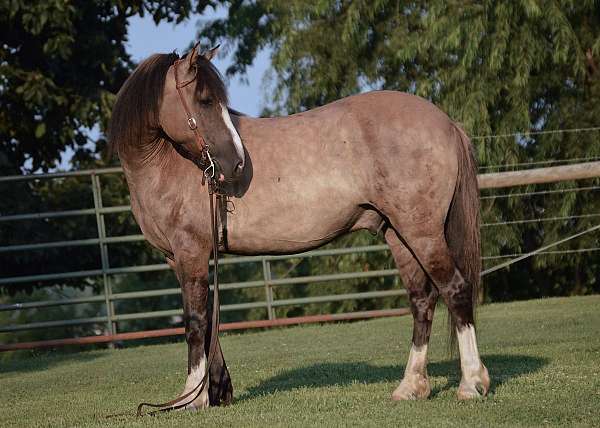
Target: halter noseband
209	171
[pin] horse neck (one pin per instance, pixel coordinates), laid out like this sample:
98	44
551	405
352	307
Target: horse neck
144	160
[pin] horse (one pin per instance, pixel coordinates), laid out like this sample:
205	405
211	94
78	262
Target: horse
382	161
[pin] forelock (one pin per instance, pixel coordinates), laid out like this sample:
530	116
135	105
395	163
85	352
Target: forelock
211	80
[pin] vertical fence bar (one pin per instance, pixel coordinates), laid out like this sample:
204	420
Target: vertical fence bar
268	288
97	191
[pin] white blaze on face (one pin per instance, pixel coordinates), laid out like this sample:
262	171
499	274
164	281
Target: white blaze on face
237	141
193	380
469	354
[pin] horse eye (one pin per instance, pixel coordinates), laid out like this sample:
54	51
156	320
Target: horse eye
207	102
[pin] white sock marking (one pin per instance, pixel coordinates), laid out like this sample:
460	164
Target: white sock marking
417	360
470	362
192	381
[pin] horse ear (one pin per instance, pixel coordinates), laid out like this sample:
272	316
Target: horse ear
210	54
193	55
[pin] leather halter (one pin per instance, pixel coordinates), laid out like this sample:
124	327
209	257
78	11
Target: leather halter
188	398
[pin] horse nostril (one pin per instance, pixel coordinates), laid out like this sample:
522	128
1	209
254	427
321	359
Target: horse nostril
239	167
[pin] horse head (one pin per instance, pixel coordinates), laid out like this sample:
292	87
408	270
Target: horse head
195	117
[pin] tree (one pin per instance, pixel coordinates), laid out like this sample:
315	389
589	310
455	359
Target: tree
495	66
61	64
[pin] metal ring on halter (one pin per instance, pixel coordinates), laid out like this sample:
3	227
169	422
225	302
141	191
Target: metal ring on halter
210	167
192	123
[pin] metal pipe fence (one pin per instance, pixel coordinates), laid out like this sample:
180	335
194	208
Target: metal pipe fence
108	298
111	318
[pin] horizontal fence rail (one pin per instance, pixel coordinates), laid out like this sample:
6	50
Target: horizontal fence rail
111	319
539	175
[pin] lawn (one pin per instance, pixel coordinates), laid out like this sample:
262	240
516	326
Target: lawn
543	356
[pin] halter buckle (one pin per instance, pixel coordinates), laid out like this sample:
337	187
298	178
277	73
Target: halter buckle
192	123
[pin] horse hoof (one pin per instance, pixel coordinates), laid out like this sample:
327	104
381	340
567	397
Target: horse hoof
199	403
412	388
471	392
227	398
475	387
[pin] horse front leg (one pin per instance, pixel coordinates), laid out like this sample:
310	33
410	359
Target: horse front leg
193	278
194	290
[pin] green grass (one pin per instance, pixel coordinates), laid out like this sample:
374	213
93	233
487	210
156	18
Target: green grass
543	356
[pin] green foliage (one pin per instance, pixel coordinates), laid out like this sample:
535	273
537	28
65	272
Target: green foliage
61	64
496	67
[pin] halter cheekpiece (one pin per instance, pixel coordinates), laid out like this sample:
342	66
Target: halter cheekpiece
205	158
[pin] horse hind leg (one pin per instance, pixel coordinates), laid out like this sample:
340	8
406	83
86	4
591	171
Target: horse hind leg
428	243
459	298
422	296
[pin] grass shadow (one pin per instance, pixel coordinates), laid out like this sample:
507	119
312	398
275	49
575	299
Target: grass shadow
27	362
502	368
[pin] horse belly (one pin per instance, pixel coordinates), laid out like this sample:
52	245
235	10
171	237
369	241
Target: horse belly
298	224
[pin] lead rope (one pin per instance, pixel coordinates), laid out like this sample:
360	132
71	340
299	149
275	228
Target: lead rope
214	336
207	175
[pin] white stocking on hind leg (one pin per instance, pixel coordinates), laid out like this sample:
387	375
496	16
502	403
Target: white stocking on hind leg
422	296
475	380
458	295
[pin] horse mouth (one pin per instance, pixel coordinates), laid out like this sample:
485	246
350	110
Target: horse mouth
234	185
219	178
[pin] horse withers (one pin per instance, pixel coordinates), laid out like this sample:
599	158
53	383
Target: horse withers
376	158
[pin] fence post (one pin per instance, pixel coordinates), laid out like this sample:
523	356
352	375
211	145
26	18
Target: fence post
96	189
268	288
